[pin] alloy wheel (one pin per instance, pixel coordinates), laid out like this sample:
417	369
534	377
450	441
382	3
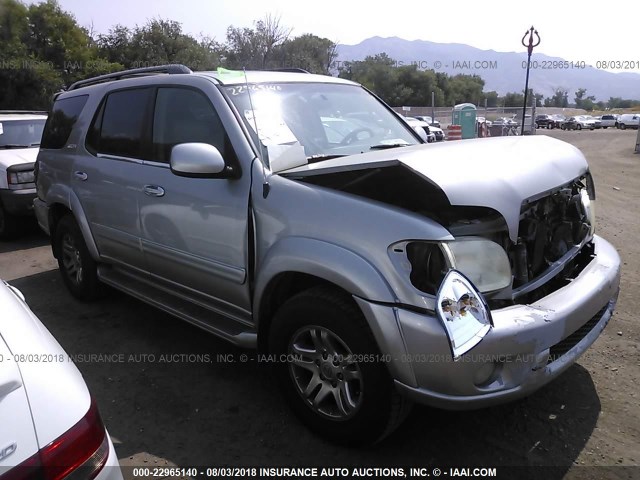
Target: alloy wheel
325	372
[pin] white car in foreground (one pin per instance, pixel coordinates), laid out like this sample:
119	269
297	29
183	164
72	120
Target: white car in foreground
50	427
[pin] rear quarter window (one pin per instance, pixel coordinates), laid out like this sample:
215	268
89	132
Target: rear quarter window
60	123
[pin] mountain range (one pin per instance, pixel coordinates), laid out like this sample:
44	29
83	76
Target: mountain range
502	72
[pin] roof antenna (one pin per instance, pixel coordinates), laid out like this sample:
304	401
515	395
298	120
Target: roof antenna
265	184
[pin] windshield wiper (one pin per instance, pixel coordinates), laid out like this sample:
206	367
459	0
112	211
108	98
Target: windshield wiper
322	157
384	146
14	145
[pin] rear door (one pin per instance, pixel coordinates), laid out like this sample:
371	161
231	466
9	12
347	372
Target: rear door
107	180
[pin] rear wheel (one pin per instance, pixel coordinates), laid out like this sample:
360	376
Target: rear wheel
77	267
330	369
579	127
623	126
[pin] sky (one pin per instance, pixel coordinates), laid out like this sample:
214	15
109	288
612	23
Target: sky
575	31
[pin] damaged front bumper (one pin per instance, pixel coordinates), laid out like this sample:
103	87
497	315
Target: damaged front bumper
528	346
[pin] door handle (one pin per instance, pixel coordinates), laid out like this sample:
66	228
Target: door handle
153	190
80	176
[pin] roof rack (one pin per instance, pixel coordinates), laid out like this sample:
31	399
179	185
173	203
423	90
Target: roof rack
134	72
23	112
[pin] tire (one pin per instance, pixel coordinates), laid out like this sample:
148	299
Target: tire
77	268
323	328
578	127
605	127
8	224
623	126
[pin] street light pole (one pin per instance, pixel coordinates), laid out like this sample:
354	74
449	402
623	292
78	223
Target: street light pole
531	32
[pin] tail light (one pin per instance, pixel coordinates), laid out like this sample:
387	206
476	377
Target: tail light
79	453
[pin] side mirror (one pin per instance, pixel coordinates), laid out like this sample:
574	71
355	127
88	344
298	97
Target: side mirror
199	160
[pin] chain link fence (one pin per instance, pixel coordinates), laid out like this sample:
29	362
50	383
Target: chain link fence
501	121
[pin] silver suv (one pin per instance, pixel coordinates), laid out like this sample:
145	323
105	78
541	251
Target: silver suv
297	214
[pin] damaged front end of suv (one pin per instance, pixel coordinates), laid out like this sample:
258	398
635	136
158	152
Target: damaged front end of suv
521	285
475	265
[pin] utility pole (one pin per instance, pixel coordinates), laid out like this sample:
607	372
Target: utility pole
531	32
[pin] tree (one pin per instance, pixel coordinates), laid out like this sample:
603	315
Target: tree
464	88
513	99
584	102
254	48
559	99
309	52
491	98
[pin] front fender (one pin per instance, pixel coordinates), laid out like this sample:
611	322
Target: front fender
65	196
330	262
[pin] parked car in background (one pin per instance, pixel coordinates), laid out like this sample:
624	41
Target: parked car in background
628	120
558	120
422	128
609	120
20	135
429	120
578	123
217	197
50	425
597	123
545	121
505	121
438	133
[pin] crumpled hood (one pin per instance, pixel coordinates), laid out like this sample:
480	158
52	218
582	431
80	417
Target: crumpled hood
498	173
16	156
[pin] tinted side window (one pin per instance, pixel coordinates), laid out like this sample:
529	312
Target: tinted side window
119	128
181	116
61	121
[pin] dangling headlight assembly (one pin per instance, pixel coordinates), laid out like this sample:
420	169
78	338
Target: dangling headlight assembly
463	313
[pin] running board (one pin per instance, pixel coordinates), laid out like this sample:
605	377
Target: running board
197	315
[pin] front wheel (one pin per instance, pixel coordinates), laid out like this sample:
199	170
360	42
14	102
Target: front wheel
330	370
623	126
579	127
77	267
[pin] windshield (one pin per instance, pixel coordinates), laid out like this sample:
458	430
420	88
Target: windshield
21	133
326	120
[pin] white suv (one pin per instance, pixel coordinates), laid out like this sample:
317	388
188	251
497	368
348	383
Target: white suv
628	120
20	134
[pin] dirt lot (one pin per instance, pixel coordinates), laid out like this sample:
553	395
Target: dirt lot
162	406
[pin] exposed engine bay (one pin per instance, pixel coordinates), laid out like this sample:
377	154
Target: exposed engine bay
551	227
